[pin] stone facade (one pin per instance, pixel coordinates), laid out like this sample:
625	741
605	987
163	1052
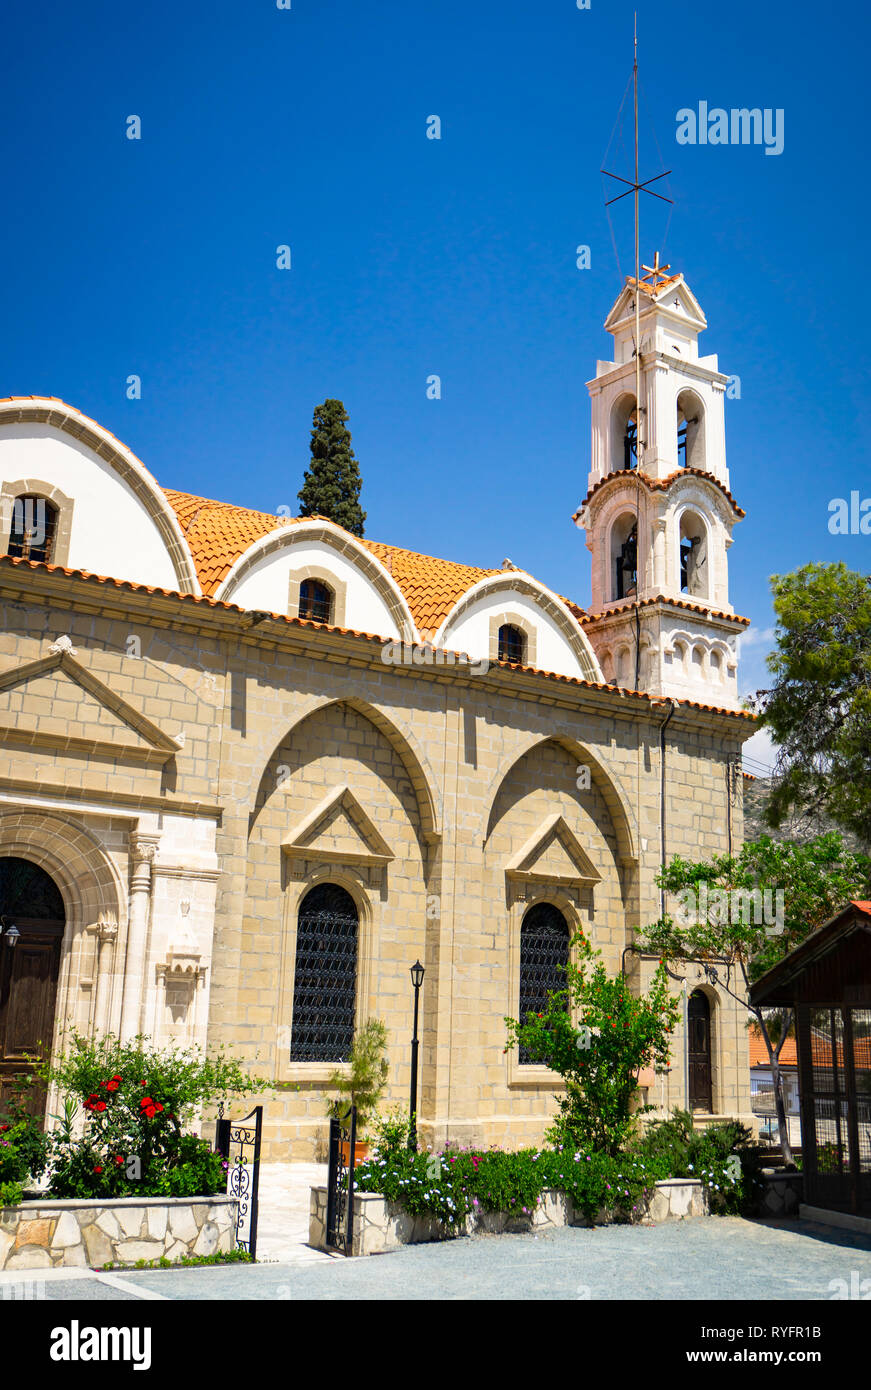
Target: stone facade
183	868
46	1234
184	871
380	1225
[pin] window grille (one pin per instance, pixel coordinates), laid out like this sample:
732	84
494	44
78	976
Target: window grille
325	978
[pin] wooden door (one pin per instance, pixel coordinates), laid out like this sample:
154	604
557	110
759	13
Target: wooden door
699	1043
30	901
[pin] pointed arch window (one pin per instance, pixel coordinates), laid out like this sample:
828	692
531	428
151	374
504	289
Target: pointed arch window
325	976
544	955
315	601
34	527
512	644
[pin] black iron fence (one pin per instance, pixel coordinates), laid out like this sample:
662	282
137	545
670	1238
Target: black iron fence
340	1182
239	1142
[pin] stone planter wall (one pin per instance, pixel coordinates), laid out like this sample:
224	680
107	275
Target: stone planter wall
380	1225
47	1233
779	1193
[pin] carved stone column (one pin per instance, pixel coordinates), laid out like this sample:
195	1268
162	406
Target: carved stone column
142	851
106	931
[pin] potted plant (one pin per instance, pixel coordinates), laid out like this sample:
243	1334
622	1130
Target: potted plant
363	1084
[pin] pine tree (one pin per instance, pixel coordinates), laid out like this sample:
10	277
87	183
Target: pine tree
332	483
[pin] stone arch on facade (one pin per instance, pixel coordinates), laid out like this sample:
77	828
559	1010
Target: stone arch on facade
619	808
403	743
95	904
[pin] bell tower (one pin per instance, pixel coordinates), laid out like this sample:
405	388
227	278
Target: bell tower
659	512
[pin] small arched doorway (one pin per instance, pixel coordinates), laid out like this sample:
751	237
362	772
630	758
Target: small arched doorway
30	901
699	1044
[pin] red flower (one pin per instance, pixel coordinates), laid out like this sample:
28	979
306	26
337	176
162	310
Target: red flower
98	1169
118	1158
158	1107
112	1086
145	1102
143	1083
116	1077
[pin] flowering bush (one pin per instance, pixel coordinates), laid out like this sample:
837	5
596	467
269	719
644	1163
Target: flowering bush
617	1033
136	1103
450	1185
447	1186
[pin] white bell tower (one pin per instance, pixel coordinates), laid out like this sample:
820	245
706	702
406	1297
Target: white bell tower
659	514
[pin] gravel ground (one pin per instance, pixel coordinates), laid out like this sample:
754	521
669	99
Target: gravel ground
718	1259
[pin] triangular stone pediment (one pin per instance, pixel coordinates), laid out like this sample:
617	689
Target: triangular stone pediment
340	831
553	855
56	702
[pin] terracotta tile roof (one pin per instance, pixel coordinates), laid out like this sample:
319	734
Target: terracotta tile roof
219	532
431	586
660	485
759	1052
628	604
130	586
652	290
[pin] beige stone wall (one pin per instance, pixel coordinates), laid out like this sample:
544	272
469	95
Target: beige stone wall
456	773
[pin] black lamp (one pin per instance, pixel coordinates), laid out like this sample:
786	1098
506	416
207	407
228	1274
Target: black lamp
12	932
417	974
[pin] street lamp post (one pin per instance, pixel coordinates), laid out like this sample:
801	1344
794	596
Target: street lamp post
417	973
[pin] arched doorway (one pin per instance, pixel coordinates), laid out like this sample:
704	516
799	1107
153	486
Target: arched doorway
325	976
699	1044
31	902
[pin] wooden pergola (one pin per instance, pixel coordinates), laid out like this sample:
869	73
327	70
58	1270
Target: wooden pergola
827	981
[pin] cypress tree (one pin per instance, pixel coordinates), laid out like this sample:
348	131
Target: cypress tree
332	482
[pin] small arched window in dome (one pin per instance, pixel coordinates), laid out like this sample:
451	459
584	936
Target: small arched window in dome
34	527
512	644
315	601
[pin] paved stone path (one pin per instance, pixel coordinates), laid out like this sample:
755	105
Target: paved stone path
714	1258
282	1230
717	1259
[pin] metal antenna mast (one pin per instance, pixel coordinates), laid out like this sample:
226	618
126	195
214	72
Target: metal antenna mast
637	187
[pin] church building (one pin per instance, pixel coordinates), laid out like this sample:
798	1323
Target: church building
252	767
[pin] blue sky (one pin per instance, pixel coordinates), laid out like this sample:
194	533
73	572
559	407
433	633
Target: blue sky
456	257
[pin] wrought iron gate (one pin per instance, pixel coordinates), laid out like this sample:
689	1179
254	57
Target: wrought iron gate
239	1142
340	1183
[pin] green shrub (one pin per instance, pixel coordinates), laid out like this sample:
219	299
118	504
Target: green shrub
617	1033
136	1101
675	1149
364	1083
391	1132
